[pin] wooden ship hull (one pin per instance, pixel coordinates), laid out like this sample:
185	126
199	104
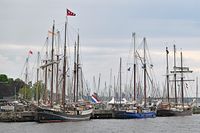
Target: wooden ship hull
50	115
170	112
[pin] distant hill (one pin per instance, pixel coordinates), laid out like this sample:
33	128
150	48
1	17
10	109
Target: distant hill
8	86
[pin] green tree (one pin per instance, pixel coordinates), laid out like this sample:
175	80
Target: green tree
9	87
18	84
10	81
26	92
18	80
38	90
3	78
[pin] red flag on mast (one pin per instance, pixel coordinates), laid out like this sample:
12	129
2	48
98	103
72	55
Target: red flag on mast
30	52
70	13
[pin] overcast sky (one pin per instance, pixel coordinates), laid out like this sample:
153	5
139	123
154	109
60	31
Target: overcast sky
105	28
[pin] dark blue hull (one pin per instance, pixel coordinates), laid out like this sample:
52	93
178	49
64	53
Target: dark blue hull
134	115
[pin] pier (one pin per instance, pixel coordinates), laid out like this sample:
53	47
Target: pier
103	114
26	116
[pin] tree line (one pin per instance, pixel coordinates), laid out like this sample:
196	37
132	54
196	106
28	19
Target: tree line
10	88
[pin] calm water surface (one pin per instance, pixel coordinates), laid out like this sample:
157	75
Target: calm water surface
187	124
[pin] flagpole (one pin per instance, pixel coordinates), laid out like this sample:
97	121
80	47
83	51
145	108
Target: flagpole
69	13
64	68
52	66
66	17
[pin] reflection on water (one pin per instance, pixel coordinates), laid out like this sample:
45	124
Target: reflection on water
187	124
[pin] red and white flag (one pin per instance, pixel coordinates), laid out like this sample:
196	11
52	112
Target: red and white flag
70	13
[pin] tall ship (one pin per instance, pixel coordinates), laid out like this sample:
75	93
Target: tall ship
66	110
169	107
135	110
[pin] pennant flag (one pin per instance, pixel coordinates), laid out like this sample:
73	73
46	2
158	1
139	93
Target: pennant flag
70	13
50	33
30	52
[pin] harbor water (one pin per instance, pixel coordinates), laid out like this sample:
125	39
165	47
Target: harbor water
187	124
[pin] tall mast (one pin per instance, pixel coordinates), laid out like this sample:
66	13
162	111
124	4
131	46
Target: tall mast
77	73
57	73
99	82
45	74
74	100
37	92
94	84
105	89
114	89
52	55
120	81
167	72
196	90
26	76
134	69
145	72
182	91
64	69
82	83
110	86
26	71
175	74
57	68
